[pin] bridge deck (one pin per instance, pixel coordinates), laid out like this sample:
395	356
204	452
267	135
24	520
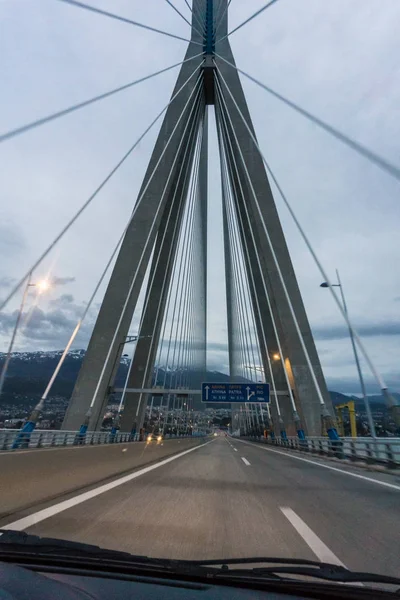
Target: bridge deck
230	498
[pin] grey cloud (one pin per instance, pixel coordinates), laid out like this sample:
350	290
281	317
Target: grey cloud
339	332
6	282
49	327
7	321
61	280
67	304
351	385
64	300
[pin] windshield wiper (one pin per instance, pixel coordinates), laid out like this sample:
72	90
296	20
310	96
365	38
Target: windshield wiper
17	543
21	542
289	566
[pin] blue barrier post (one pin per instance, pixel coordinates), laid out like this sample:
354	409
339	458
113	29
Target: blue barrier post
81	435
333	434
115	429
330	425
299	428
301	435
22	439
282	429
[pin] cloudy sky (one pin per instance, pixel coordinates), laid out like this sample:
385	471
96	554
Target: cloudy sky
339	59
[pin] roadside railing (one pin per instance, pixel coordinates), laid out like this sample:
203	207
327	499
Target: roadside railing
384	451
48	438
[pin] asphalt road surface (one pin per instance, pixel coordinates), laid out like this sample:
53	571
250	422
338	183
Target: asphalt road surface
229	498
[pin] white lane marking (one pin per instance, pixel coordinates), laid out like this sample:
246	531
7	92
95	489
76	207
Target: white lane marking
246	462
321	550
50	449
41	515
312	462
235	449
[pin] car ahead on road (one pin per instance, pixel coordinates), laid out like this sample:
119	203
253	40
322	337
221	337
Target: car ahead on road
153	437
37	568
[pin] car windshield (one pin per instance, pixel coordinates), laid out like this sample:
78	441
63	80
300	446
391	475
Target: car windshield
199	283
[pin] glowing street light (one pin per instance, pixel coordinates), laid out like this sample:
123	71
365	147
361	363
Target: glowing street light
41	286
276	356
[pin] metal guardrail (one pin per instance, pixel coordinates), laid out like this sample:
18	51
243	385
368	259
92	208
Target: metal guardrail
56	438
384	451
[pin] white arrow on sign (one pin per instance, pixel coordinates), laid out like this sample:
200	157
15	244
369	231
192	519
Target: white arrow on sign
248	393
207	388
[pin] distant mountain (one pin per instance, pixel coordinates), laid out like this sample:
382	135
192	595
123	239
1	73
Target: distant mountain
29	372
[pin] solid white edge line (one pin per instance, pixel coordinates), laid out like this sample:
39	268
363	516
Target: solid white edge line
41	515
312	462
246	462
321	550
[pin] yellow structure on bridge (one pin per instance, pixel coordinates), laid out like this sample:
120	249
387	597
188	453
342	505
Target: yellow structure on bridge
352	415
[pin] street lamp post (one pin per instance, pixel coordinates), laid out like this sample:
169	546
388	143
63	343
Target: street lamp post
357	361
42	285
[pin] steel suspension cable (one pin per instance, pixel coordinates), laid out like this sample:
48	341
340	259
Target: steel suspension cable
183	16
82	318
371	365
182	321
170	295
167	183
186	336
239	288
229	142
188	362
185	228
181	252
279	271
66	111
145	372
359	148
267	352
239	334
232	315
183	316
105	13
195	109
242	280
201	22
256	14
245	285
221	19
236	268
196	276
94	194
195	89
240	322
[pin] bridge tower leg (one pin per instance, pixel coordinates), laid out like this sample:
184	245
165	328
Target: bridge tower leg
248	164
163	195
134	255
141	373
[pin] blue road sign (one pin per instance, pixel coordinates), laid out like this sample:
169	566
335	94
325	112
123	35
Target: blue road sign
234	392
